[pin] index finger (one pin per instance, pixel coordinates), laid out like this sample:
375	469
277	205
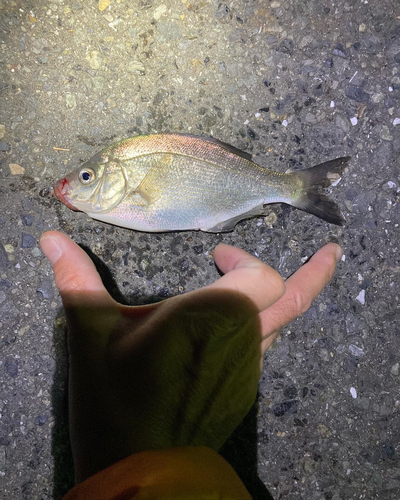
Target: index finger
301	289
246	274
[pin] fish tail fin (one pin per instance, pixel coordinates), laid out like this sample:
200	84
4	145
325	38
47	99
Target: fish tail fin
313	180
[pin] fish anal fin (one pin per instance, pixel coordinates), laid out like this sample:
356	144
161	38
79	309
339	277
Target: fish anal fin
229	224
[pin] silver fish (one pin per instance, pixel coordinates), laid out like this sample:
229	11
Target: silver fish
173	182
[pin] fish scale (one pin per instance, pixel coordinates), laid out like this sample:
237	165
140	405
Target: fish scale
204	208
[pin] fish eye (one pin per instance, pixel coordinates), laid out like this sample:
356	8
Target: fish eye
87	175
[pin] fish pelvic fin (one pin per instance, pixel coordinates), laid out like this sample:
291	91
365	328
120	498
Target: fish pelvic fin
313	180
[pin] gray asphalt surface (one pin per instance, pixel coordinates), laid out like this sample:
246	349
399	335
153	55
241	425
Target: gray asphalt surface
294	83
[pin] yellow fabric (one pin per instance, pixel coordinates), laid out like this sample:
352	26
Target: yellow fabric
190	473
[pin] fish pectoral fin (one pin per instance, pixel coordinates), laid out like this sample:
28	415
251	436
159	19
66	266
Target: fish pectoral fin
153	183
144	195
229	224
138	198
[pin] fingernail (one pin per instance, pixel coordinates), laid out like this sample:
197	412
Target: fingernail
51	248
339	253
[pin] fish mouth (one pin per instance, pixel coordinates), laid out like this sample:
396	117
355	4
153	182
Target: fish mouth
61	190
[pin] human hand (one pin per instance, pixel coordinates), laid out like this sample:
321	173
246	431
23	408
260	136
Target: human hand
177	373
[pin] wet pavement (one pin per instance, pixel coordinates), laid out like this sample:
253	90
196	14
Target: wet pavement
294	84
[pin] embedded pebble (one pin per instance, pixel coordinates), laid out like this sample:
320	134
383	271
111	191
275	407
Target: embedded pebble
377	98
290	391
5	284
144	264
2	131
11	367
309	465
94	59
385	134
354	120
70	100
28	241
27	204
103	4
286	407
271	219
76	6
286	46
45	289
396	121
222	11
339	51
4	146
391	184
310	118
356	94
160	11
361	297
27	219
353	392
136	67
16	169
356	351
323	431
2	296
95	83
108	17
395	370
342	122
41	420
36	252
23	330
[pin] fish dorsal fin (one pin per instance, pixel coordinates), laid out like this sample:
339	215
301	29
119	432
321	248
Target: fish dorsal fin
224	145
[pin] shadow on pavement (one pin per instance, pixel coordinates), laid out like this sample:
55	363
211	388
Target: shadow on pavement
240	450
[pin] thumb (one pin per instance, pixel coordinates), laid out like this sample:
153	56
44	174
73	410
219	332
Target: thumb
75	274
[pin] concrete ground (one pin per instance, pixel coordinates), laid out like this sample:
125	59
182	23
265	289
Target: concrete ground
292	82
